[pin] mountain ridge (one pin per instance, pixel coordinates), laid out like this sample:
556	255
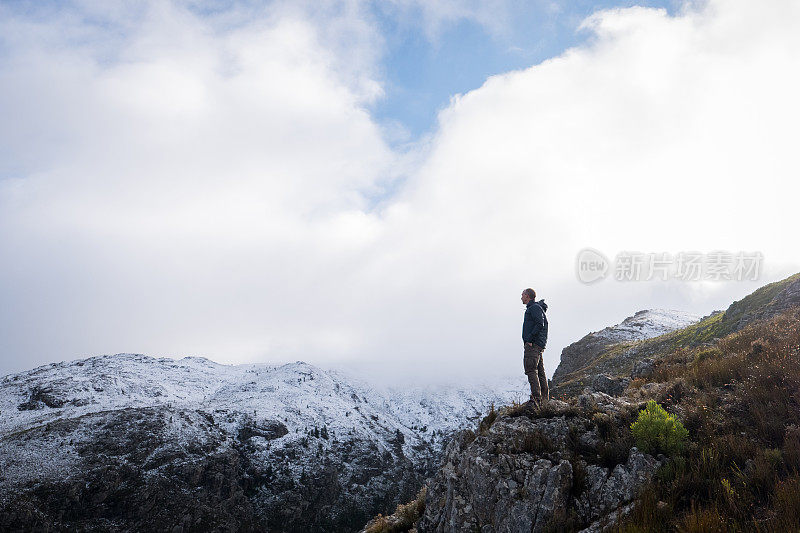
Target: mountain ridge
300	445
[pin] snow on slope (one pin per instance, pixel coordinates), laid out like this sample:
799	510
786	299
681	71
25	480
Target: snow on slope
648	323
297	395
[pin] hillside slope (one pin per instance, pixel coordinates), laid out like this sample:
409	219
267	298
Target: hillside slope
607	363
130	442
589	350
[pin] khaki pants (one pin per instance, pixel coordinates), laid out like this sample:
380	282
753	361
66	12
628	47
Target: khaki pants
534	369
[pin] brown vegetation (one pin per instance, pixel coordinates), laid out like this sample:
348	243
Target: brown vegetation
740	401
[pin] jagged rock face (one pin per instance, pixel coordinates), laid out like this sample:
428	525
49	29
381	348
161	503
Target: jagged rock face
528	474
607	493
578	354
131	443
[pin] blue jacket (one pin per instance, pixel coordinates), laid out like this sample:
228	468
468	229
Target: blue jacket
534	324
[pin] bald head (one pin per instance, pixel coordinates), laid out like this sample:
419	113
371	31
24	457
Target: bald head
528	295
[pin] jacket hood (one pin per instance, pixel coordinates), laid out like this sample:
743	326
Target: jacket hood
540	302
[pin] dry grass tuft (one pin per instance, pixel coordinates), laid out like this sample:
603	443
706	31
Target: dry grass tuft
404	518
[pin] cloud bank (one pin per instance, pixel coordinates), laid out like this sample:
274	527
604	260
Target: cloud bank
177	181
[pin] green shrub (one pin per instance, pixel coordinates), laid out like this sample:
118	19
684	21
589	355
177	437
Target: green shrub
655	430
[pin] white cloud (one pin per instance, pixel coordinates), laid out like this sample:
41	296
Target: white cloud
661	134
181	195
204	189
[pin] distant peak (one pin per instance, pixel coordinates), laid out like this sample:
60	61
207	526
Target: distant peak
204	360
299	365
648	323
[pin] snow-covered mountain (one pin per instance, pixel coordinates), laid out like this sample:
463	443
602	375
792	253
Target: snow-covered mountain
647	324
584	362
301	448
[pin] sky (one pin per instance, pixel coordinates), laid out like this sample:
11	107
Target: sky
370	185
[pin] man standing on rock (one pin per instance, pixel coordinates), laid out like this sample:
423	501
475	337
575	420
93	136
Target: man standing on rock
534	339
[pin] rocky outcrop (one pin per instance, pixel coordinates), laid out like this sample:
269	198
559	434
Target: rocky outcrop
611	344
532	471
608	493
642	368
610	384
580	353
